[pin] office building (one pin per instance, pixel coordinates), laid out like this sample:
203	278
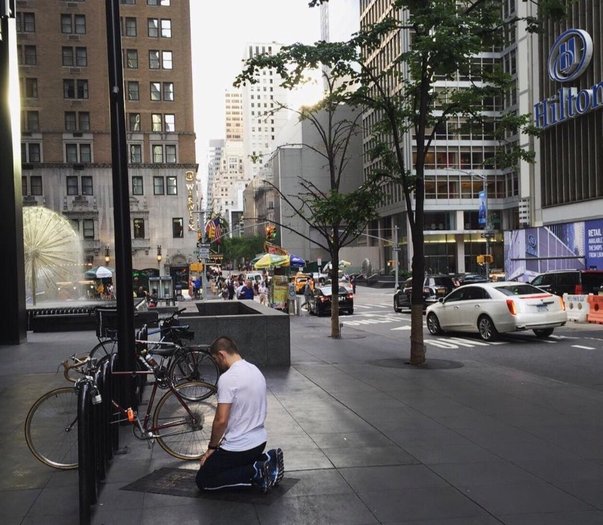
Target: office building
66	142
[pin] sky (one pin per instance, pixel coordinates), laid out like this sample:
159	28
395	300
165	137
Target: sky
220	30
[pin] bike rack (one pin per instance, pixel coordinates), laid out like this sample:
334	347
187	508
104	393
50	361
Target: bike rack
97	437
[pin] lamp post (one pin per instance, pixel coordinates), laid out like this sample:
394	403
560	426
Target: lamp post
159	257
107	255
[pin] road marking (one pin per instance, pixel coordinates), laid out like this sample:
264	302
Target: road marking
468	342
401	328
584	347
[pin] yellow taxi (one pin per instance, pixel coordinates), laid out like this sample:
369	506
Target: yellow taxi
299	280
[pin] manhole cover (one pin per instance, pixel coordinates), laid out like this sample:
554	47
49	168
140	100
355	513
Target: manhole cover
181	482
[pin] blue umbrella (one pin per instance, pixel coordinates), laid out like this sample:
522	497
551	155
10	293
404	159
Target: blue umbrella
296	261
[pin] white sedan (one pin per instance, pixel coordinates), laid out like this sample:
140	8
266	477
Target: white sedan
493	308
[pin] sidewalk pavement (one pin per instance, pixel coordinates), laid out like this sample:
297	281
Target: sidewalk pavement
367	439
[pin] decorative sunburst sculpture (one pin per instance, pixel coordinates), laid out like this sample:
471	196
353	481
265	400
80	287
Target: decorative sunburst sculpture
52	247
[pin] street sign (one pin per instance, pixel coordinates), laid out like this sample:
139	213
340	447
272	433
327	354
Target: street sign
203	250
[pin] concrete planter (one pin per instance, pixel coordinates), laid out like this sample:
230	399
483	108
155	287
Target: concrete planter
261	333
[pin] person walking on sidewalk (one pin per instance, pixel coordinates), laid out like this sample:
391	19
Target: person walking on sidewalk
235	454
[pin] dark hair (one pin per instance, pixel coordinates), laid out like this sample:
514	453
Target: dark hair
224	343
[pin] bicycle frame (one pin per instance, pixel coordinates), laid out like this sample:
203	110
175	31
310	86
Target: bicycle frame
148	431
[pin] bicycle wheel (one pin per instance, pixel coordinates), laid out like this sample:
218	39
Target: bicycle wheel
194	365
103	349
51	428
179	434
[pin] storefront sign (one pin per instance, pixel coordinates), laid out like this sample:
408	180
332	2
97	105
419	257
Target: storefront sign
594	244
569	58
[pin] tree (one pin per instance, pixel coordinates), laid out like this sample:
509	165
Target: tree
403	97
236	249
337	217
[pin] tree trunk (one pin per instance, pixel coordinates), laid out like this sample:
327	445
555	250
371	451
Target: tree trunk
417	345
334	273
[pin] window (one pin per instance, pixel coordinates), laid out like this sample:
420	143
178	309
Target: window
168	91
72	185
88	228
31	120
138	228
166	28
77	121
154	62
128	2
75	153
23	186
157	154
87	185
158	2
26	22
35	184
170	154
83	121
31	88
130	27
75	88
135	154
158	186
133	90
134	121
171	185
70	121
73	24
153	27
30	56
166	59
156	122
155	90
169	123
137	187
30	152
178	227
75	56
132	59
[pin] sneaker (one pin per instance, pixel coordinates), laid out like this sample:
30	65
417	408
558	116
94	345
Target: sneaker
276	465
261	477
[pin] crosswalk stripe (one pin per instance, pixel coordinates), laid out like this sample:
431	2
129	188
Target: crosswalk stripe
468	342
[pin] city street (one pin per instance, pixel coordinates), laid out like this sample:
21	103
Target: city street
574	353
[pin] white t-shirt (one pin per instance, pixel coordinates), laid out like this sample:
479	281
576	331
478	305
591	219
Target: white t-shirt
244	386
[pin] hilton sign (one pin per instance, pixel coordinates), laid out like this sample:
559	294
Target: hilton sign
569	58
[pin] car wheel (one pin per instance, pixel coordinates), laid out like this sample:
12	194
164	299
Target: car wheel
486	328
397	308
543	333
433	324
351	311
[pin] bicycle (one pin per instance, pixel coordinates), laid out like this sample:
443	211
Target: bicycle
181	427
183	362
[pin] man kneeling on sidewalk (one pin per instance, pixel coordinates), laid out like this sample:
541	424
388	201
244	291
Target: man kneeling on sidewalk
235	455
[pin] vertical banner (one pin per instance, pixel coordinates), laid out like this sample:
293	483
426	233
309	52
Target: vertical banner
482	217
594	245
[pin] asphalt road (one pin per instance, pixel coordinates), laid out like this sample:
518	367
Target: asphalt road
573	354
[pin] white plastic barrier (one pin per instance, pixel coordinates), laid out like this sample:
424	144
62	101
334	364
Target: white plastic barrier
577	307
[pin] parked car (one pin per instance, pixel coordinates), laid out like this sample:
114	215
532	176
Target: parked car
320	301
493	308
576	282
434	287
468	278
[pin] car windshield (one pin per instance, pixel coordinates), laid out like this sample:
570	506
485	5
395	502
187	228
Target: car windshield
443	281
326	290
518	289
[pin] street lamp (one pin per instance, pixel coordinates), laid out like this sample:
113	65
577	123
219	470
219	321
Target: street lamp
107	255
159	257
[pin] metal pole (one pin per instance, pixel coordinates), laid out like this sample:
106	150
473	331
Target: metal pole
486	227
396	255
121	205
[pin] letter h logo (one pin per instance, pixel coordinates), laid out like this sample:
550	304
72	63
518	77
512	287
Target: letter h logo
567	55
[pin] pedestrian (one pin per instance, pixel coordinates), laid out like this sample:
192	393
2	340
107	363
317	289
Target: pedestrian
353	283
308	293
246	291
235	454
263	293
231	289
